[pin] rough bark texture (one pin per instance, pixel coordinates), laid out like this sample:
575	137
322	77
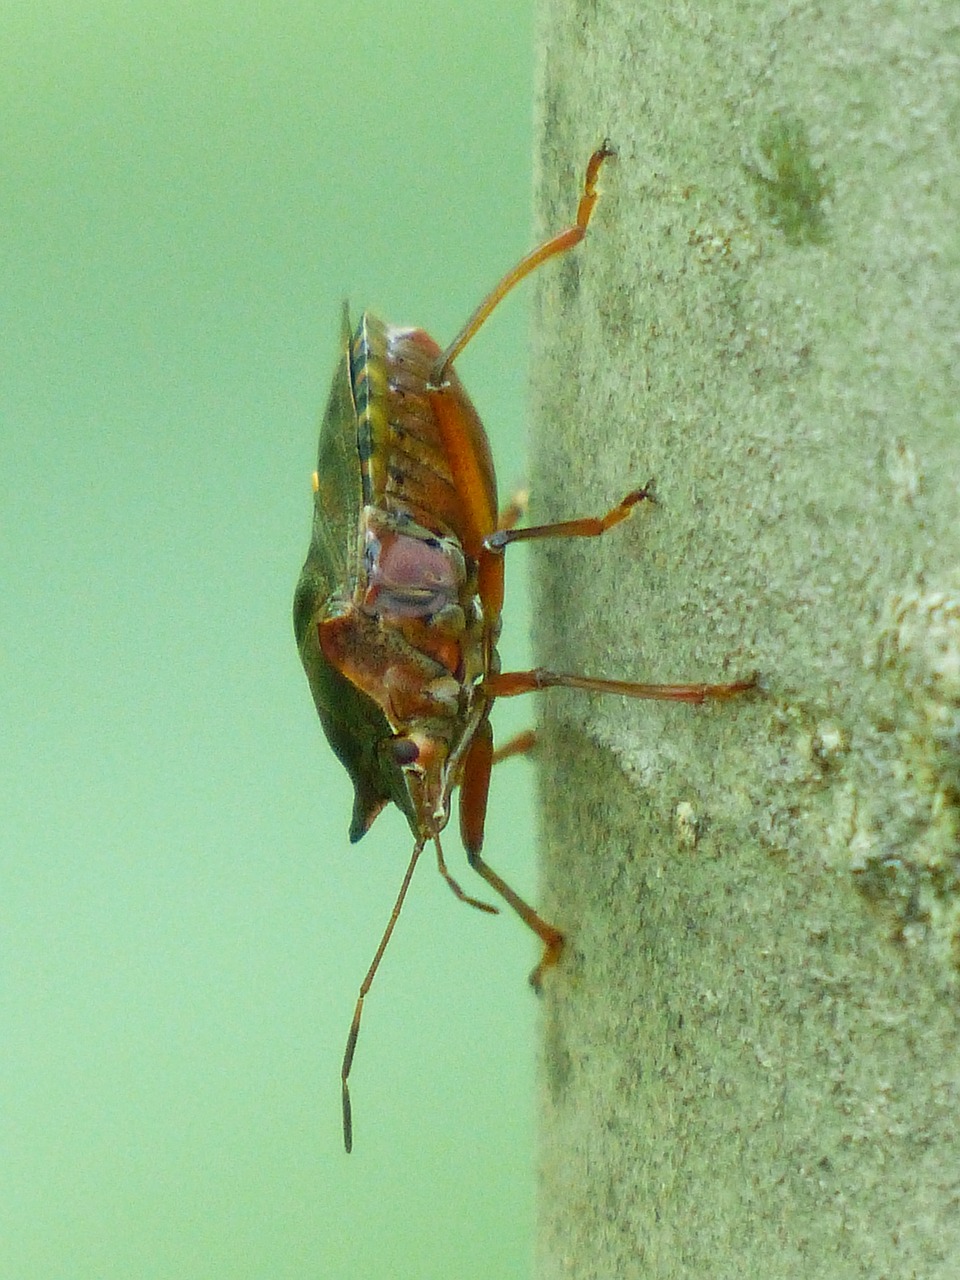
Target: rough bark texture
751	1056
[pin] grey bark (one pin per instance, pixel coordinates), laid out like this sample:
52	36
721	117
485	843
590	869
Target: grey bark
751	1051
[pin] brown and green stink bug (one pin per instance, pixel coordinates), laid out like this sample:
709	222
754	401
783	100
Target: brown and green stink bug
397	612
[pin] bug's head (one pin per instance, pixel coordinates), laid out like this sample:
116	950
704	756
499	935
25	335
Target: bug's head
423	760
403	759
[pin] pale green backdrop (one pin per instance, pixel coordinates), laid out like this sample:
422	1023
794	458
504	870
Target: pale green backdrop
187	192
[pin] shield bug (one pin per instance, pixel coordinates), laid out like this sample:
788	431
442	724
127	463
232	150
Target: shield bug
397	611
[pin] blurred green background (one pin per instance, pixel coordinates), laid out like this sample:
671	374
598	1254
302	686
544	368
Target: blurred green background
186	194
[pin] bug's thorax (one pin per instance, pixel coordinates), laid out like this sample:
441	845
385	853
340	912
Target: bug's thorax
417	632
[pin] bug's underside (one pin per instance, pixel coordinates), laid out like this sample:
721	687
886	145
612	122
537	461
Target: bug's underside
389	613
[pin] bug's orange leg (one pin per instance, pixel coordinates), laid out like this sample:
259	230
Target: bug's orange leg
519	745
555	245
509	684
587	527
473	808
515	509
458	892
364	988
475	786
550	936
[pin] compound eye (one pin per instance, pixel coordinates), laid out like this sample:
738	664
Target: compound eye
404	751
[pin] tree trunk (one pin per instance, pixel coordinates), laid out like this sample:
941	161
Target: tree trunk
751	1049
